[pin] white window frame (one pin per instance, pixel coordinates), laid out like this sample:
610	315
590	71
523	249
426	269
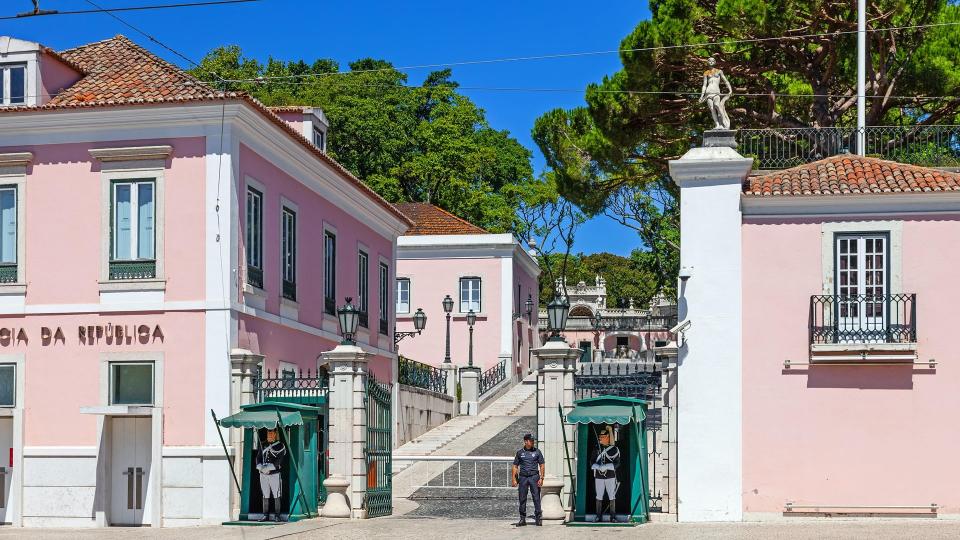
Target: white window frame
134	218
16	383
254	243
132	170
363	283
288	246
5	75
399	291
320	139
13	173
383	291
153	382
479	289
828	232
329	270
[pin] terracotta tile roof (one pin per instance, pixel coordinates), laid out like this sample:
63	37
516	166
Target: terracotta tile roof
432	220
118	72
290	108
851	175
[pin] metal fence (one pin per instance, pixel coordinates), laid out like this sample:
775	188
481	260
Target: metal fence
289	384
781	148
889	318
490	378
419	375
458	477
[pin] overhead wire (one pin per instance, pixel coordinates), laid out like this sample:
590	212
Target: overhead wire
50	13
600	52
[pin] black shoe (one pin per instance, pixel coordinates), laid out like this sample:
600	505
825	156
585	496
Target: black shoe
277	518
263	518
522	523
538	524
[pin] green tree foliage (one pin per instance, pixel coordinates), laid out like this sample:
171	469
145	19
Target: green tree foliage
610	156
425	143
627	277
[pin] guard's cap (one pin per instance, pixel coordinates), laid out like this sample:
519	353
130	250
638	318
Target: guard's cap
529	437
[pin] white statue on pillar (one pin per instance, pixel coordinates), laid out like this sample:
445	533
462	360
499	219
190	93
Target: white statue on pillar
712	95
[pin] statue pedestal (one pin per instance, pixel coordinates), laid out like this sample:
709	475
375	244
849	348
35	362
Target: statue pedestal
720	137
550	503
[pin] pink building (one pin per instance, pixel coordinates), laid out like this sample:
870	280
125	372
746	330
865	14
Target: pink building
154	230
490	274
817	358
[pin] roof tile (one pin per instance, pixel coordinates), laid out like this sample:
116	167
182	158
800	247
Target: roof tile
850	175
432	220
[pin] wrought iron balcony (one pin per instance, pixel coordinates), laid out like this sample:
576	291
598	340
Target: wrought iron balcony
329	306
8	273
255	276
612	324
364	319
268	385
493	376
383	326
781	148
289	290
889	318
138	269
420	375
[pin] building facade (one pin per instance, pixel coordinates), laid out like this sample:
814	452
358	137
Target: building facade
609	334
818	349
490	274
154	230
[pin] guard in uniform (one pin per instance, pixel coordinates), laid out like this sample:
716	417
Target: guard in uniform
606	461
269	464
528	474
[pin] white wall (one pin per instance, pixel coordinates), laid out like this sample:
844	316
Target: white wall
420	411
709	440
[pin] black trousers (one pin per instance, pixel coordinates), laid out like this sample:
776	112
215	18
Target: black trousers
529	483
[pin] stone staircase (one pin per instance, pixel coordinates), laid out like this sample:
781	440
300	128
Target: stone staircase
434	440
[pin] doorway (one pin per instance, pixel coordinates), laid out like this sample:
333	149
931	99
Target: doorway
6	470
131	456
586	354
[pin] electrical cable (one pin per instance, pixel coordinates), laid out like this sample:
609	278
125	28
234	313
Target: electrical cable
609	51
129	8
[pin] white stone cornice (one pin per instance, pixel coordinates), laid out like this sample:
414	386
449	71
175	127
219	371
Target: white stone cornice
715	164
16	159
132	153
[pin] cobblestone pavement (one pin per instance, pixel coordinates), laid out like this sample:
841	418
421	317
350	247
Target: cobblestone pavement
483	503
431	529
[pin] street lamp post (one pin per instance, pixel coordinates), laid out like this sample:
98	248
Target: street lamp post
557	311
419	323
471	320
349	317
447	307
529	305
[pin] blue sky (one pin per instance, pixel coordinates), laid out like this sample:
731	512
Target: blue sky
405	33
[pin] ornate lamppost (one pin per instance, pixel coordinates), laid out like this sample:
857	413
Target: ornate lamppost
447	308
419	323
471	320
529	305
349	317
557	311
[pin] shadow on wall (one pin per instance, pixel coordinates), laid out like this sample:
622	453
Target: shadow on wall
879	377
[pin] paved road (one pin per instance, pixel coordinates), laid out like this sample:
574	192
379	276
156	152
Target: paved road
483	503
436	529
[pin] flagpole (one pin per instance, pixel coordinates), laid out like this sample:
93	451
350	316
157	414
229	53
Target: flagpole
861	76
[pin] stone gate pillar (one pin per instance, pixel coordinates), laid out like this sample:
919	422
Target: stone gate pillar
470	390
450	376
556	362
347	482
243	368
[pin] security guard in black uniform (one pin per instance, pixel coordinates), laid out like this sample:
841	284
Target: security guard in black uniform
528	474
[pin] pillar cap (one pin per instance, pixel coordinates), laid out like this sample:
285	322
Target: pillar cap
717	164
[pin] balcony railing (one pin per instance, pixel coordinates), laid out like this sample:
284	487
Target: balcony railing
255	276
138	269
289	290
383	326
889	318
269	385
8	273
420	375
781	148
329	305
364	319
490	378
611	324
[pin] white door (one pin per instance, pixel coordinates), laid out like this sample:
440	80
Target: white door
130	475
861	288
6	470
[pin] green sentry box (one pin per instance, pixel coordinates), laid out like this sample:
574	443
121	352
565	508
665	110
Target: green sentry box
632	494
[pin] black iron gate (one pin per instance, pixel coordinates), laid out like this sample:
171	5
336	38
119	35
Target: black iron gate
379	449
654	383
